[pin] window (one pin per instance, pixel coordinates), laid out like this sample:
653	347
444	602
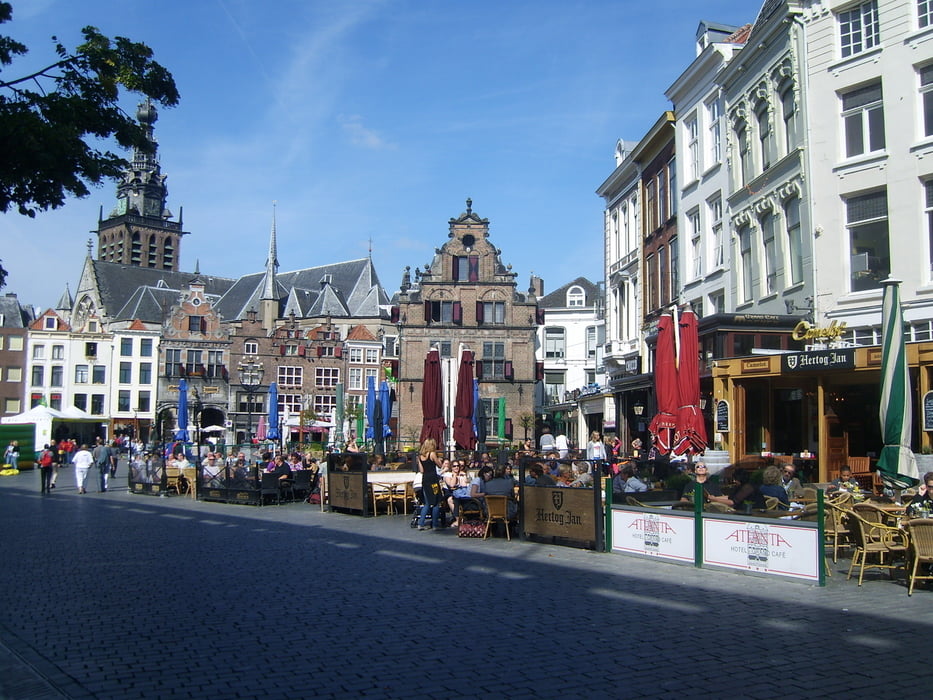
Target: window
863	119
691	133
651	204
194	362
858	28
324	404
443	347
38	352
590	342
713	120
250	347
145	347
926	94
370	372
173	363
97	404
465	268
651	281
390	346
15	343
663	198
924	13
745	259
576	296
664	281
494	361
58	352
81	374
554	386
126	347
50	323
770	252
764	136
789	116
490	313
672	185
250	403
90	350
99	374
57	376
696	249
442	311
292	403
38	375
80	401
356	356
123	401
554	343
674	253
196	324
126	373
12	406
356	377
326	376
145	373
867	223
372	356
715	217
928	187
143	401
14	374
215	363
745	156
794	241
718	301
290	349
290	376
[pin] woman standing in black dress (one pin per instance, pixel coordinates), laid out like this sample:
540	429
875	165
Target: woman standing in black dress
431	490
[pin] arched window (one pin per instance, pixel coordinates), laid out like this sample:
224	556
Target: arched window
576	296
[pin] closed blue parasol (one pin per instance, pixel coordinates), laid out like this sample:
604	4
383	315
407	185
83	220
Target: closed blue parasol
896	464
385	399
182	433
371	401
273	432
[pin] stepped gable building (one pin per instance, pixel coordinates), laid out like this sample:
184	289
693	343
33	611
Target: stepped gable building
467	297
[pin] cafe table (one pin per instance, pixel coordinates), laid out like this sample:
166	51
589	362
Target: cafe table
392	486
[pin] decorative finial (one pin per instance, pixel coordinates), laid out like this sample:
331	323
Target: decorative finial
469	205
90	246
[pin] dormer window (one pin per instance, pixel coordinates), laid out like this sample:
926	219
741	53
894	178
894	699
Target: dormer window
576	297
50	323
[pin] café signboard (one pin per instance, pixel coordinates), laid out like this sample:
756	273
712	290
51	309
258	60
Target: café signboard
560	512
841	358
659	534
786	550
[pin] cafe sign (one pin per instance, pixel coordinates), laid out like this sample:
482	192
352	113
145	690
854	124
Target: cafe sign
786	550
818	360
656	534
807	331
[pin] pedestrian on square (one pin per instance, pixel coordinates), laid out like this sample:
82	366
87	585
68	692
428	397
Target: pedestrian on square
45	461
11	456
562	445
103	455
596	448
83	459
431	490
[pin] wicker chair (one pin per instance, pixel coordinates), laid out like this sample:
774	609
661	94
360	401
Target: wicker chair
874	538
921	550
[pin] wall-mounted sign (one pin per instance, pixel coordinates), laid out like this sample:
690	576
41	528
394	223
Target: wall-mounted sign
928	411
722	416
843	358
807	331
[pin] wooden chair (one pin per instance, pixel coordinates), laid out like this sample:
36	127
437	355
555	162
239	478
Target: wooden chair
921	550
859	464
497	510
171	480
876	539
381	495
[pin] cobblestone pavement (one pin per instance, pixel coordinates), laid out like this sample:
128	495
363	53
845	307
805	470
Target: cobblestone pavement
115	595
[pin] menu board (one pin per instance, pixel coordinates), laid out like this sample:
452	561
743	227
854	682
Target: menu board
722	416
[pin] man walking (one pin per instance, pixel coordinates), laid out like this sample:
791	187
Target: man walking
103	457
46	460
83	459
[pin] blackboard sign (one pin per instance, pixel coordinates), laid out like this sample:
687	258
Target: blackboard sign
722	416
928	411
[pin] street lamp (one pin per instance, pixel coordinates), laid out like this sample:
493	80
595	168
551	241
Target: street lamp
250	373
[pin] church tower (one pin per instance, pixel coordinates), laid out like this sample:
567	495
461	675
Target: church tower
139	231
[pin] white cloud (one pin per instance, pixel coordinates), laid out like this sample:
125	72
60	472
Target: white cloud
360	135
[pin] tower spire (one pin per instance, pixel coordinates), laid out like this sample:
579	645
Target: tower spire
272	264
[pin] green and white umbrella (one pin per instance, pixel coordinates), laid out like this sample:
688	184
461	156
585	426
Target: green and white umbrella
897	464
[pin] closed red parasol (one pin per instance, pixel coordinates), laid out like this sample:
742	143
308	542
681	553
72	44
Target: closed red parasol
432	399
463	407
690	436
665	387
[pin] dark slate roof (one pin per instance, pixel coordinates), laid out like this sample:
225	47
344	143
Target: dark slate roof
558	298
123	293
14	314
353	290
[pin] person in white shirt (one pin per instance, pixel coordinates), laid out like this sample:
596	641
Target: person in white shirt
595	448
83	460
562	445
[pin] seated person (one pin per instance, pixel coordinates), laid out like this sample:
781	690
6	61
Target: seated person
790	482
501	485
281	468
922	506
771	486
626	482
745	492
711	490
564	475
537	477
846	484
581	475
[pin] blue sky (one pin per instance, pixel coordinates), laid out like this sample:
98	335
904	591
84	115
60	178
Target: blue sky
374	120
